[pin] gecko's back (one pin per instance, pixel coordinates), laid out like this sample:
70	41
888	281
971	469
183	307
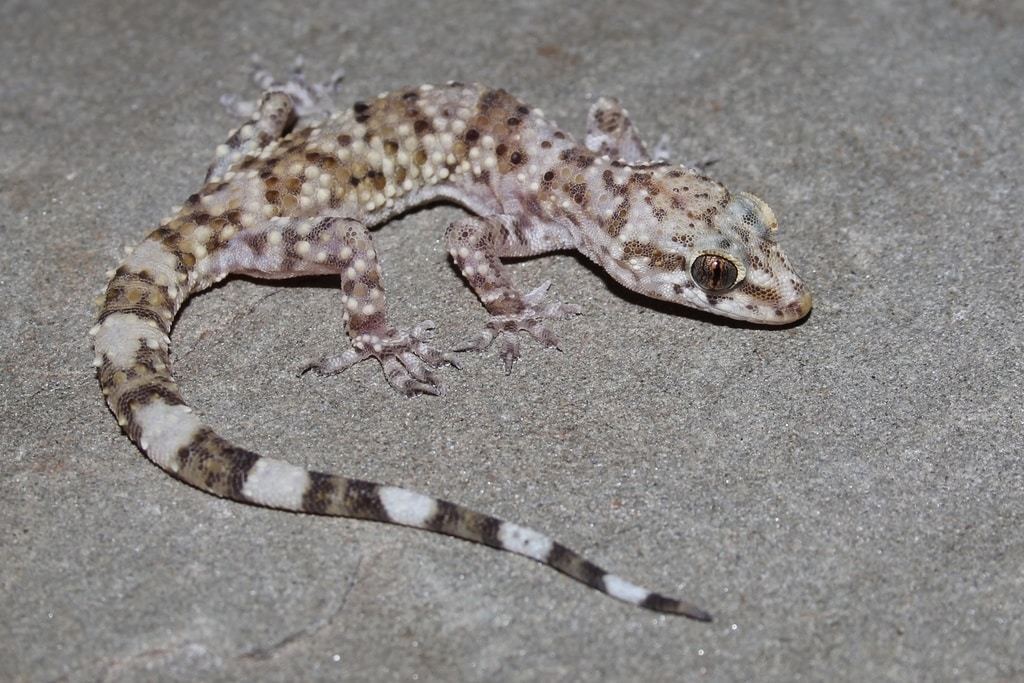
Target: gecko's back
465	143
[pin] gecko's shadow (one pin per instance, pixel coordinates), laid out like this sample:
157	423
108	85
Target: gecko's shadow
330	282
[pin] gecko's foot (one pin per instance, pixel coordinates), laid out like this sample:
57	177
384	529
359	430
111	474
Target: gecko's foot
307	98
407	358
506	328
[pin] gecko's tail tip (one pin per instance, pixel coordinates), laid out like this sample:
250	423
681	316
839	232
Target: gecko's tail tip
620	589
667	605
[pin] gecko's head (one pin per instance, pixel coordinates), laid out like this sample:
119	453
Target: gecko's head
693	242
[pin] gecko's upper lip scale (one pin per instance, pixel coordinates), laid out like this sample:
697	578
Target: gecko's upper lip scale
279	203
802	306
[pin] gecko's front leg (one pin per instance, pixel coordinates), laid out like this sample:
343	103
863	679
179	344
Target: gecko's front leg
407	357
288	247
477	245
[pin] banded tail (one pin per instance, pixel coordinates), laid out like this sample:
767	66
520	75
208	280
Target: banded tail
131	342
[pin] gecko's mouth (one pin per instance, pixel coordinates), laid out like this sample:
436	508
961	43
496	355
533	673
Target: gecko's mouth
781	309
782	304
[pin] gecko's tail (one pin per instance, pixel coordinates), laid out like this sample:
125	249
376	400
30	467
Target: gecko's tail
132	342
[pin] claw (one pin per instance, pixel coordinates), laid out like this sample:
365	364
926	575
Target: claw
410	376
509	353
537	294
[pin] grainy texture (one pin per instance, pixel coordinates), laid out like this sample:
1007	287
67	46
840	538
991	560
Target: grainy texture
845	496
281	201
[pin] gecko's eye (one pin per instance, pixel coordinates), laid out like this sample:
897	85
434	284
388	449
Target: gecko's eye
714	273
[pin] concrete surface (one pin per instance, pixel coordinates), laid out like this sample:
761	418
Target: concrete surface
846	496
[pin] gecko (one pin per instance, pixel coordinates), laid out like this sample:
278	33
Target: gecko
284	197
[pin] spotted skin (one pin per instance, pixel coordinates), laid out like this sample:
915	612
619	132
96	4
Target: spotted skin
282	201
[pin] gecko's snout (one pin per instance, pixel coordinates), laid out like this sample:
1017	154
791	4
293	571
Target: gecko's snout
798	310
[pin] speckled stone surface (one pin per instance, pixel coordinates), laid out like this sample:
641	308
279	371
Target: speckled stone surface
845	496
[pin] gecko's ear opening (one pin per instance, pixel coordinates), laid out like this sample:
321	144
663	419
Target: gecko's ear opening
754	211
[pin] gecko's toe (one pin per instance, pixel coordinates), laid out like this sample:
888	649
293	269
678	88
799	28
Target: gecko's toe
411	376
509	353
332	365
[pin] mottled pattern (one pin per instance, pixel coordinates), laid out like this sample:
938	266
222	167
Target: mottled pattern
281	201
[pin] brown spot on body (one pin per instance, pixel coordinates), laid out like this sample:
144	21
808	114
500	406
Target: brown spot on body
362	111
493	103
577	191
577	157
656	258
377	180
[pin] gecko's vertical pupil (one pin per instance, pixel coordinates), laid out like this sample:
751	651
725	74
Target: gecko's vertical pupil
714	273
